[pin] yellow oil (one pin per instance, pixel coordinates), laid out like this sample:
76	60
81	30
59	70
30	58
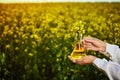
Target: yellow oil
78	52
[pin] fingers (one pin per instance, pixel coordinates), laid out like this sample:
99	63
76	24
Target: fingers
86	60
81	61
90	46
93	41
78	61
89	39
87	44
71	59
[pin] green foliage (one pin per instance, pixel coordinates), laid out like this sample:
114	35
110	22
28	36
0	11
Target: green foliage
35	39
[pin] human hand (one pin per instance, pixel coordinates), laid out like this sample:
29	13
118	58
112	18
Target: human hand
95	44
84	60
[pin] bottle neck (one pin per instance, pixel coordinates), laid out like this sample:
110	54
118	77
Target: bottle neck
79	40
79	37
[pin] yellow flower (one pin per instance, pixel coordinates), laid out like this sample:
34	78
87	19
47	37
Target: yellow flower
30	54
15	36
25	50
23	42
47	48
35	36
6	27
10	32
7	46
24	36
8	19
17	41
33	43
16	48
5	32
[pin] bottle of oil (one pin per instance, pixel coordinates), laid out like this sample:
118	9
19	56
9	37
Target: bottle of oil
78	51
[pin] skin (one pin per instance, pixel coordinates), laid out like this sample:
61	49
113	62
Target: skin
94	44
90	43
84	60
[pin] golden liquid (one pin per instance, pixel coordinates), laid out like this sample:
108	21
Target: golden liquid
78	52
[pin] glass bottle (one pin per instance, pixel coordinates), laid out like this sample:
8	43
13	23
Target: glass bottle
78	51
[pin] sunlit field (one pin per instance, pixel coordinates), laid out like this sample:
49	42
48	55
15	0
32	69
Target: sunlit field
35	39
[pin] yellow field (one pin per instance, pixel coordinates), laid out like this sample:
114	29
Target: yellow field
35	39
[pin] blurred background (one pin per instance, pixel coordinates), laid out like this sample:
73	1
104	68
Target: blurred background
36	36
35	1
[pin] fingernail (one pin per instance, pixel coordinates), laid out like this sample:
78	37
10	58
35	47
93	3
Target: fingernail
83	40
74	61
68	55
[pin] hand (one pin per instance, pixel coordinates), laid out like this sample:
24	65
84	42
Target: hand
84	60
91	43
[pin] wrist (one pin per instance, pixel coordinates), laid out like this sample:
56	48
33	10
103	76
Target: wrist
104	51
103	48
93	58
